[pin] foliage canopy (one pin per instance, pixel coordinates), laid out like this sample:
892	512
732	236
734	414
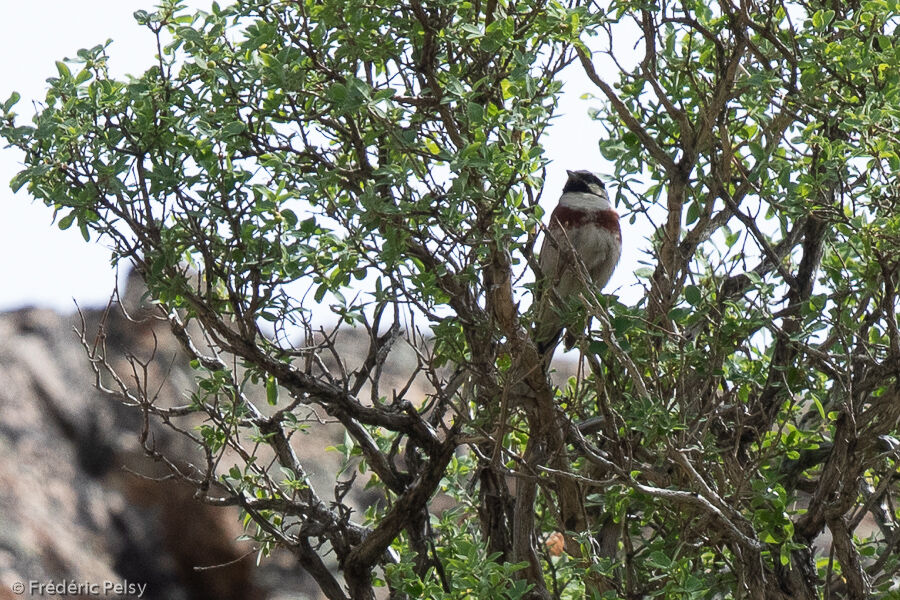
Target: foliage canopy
384	160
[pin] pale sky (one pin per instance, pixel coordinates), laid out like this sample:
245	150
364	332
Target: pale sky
43	266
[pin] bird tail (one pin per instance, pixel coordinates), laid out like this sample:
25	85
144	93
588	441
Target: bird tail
546	345
548	327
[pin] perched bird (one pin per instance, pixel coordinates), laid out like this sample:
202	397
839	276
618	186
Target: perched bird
583	228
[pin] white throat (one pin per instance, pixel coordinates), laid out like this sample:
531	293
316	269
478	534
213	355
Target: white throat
585	201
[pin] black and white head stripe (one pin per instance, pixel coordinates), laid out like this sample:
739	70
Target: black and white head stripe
584	182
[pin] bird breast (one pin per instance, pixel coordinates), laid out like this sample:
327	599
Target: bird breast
595	237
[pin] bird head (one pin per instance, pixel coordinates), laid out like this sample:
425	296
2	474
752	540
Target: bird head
585	182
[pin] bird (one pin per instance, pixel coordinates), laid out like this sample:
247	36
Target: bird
584	229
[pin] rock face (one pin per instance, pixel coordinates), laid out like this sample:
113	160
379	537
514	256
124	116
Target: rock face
70	510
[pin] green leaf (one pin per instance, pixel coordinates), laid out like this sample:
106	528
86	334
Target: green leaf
692	295
13	98
290	217
67	221
337	93
476	112
693	212
82	76
63	69
785	555
233	129
598	348
271	390
472	30
820	408
822	18
731	238
659	560
679	313
320	292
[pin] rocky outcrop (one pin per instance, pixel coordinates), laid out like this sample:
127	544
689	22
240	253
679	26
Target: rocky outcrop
78	504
